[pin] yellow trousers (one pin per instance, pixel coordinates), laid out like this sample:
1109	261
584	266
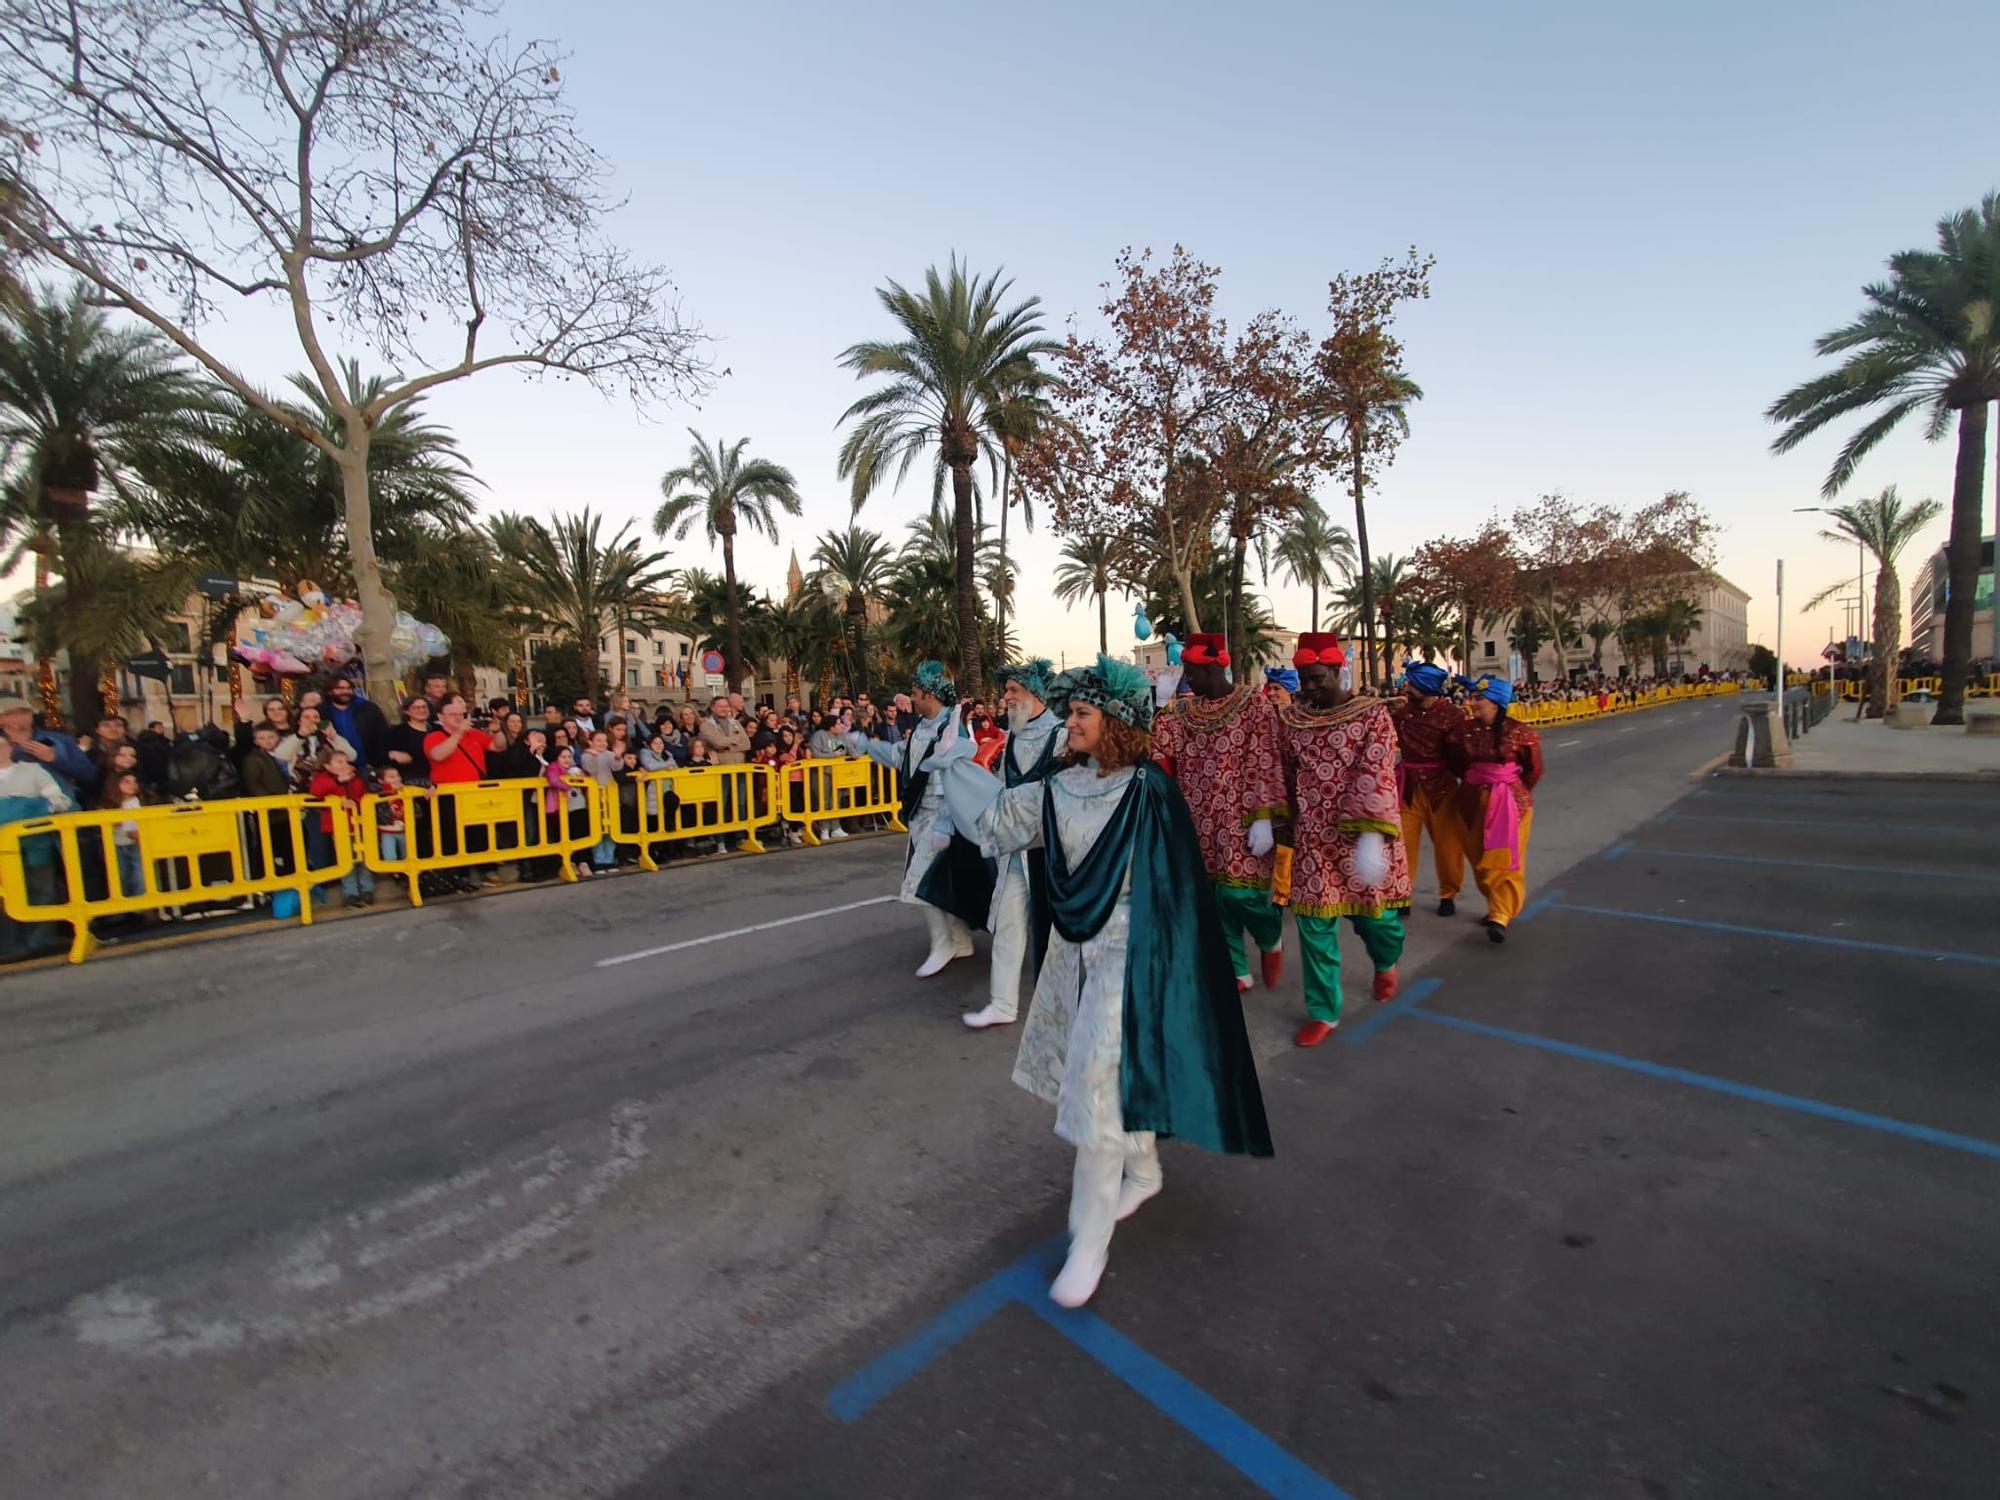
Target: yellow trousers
1447	839
1504	889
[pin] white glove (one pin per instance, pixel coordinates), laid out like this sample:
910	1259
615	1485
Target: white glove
1262	840
1166	685
940	840
1371	859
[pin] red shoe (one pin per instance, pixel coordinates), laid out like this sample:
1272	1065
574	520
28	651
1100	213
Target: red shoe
1242	985
1386	984
1274	967
1314	1032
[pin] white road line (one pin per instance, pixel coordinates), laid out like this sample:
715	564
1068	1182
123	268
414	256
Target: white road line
1628	728
736	932
1565	744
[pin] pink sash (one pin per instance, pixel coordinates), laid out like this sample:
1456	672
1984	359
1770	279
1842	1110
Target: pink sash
1503	806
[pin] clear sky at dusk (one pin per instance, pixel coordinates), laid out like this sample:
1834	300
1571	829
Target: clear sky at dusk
1641	217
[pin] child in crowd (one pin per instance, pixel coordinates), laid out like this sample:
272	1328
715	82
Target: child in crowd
390	826
124	794
563	796
600	763
333	781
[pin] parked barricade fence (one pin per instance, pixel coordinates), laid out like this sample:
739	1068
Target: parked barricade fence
466	825
714	801
77	867
824	791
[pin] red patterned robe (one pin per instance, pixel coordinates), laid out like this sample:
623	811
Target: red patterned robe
1341	766
1223	752
1421	733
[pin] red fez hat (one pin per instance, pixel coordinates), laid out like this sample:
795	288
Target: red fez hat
1207	649
1316	648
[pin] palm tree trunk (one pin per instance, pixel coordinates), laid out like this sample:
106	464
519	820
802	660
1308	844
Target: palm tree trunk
857	626
1968	511
378	605
1237	634
970	663
85	707
1315	594
1104	622
1000	597
1882	668
732	619
50	706
1356	453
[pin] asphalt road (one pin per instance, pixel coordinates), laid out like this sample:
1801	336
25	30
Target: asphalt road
608	1189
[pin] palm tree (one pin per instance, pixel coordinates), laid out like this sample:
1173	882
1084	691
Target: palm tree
923	614
1679	620
254	497
1368	392
958	358
575	584
1885	526
722	489
1017	420
1384	585
806	632
1209	583
1599	630
700	608
934	535
1314	551
854	564
1432	628
1926	340
1086	572
80	400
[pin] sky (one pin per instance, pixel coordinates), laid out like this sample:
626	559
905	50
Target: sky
1642	217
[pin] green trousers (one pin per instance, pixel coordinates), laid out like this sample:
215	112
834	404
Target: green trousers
1319	943
1244	910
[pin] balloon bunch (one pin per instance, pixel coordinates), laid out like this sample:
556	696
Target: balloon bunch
309	632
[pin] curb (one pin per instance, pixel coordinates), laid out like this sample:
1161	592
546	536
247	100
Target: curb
1794	773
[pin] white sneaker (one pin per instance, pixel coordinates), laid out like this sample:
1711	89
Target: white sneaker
992	1015
838	832
938	959
1080	1275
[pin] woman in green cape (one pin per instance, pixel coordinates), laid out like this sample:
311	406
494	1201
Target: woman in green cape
1136	1030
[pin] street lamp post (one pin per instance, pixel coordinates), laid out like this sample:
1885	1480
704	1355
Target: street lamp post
1860	611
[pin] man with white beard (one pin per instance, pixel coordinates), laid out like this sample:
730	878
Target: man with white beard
944	872
1035	749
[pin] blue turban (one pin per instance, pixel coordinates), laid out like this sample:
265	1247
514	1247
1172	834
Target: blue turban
1285	677
931	677
1426	678
1496	689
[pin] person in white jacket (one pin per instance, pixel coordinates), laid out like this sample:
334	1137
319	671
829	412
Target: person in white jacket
944	872
1037	746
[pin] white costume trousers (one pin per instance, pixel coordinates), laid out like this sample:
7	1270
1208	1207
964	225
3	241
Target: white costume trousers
948	933
1103	1174
1013	934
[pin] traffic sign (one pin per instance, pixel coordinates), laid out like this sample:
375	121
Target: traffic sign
711	661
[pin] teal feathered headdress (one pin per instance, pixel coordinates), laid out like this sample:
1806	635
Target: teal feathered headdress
932	678
1118	688
1035	674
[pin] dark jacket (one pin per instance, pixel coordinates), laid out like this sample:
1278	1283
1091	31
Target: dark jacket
263	776
371	730
417	769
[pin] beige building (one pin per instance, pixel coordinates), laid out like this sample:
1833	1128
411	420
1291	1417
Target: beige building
1722	643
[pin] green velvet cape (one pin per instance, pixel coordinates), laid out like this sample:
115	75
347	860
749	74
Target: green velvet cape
1187	1071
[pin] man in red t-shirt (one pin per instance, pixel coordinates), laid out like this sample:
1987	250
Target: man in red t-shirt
457	753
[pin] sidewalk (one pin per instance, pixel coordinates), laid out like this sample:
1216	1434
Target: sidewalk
1838	745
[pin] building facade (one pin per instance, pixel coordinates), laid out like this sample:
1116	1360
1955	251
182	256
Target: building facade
1721	642
1929	593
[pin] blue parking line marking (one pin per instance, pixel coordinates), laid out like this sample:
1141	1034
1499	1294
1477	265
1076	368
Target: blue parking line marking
1900	950
1795	1102
1382	1015
1226	1435
1618	850
1903	871
1537	906
1831	825
852	1398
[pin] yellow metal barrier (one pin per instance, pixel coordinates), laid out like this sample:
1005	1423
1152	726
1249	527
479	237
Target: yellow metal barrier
75	867
467	824
713	800
820	791
1574	712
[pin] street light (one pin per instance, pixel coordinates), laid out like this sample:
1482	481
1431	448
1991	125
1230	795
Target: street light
1860	603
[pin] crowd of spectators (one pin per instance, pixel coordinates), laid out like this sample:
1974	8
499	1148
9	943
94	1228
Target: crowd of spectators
331	743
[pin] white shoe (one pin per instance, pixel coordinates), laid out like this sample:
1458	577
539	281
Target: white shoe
1080	1275
838	832
992	1015
1132	1193
938	959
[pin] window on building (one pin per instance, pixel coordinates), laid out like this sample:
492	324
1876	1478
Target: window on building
1489	649
177	635
631	644
635	677
180	681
